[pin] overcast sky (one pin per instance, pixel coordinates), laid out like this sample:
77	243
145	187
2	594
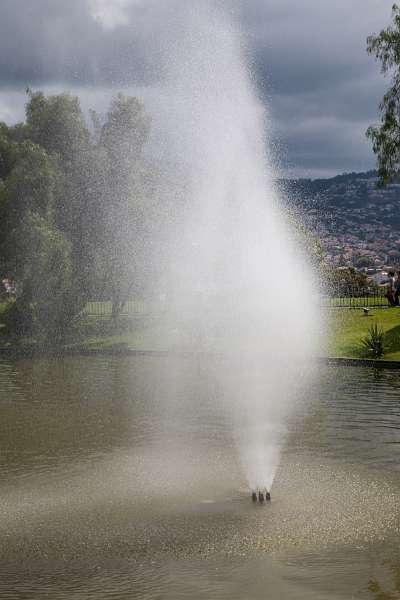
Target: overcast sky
309	57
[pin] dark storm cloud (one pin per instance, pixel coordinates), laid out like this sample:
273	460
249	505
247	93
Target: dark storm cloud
43	41
309	59
322	87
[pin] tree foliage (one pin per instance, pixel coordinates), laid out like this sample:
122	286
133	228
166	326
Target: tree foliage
57	124
386	137
342	280
122	140
73	208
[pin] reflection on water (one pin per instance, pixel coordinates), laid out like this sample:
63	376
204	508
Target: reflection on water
390	591
116	482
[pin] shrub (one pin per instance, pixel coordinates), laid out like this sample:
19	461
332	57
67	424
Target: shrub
14	321
374	341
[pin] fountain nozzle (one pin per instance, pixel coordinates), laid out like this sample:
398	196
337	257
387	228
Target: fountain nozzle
261	496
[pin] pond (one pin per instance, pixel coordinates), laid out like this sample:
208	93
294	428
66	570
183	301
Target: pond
119	478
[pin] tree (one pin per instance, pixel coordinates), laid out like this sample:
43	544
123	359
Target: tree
29	184
364	261
75	213
386	137
345	281
8	151
58	125
125	203
101	206
34	252
45	277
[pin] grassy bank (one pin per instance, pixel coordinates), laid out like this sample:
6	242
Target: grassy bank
346	327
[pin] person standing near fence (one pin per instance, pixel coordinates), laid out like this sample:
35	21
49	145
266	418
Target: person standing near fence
397	289
391	289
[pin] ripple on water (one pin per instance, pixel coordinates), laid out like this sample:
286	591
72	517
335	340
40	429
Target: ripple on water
315	506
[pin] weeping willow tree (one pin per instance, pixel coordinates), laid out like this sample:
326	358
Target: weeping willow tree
386	136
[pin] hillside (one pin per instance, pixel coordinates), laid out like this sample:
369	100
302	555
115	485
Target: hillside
357	221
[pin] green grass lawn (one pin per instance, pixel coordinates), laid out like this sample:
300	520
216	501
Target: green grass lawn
346	328
146	336
143	331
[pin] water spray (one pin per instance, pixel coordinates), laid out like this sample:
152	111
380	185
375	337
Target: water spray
232	224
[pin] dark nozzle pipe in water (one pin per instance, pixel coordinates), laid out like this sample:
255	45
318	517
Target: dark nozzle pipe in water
261	496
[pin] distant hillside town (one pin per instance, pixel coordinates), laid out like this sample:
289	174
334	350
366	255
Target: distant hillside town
357	222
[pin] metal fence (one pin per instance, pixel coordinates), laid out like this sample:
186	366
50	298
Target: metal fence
342	297
103	308
356	297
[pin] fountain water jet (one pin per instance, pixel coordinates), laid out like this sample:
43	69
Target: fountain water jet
238	283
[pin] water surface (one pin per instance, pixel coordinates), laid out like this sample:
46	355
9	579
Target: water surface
119	478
